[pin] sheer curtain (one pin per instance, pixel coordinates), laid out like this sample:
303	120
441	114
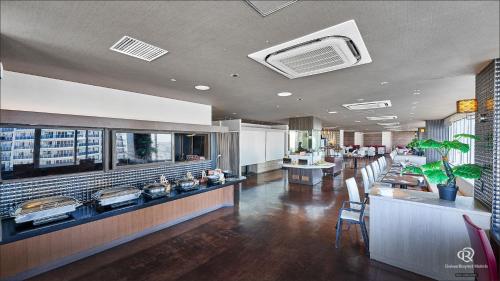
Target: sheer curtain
228	147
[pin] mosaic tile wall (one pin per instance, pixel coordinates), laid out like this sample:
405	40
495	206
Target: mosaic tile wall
82	186
485	81
496	151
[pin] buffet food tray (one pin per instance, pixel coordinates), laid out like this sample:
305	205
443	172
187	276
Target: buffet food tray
45	210
117	196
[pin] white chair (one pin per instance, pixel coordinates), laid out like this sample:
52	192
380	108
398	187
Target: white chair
371	176
376	170
366	182
352	215
381	165
371	152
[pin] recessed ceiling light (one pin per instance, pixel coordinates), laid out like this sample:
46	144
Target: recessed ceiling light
360	99
202	87
368	105
173	79
384	83
284	94
411	113
234	113
332	112
416	93
415	102
357	121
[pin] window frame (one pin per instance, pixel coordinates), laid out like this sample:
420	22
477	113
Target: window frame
104	155
113	157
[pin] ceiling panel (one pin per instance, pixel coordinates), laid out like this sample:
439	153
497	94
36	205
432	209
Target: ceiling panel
435	47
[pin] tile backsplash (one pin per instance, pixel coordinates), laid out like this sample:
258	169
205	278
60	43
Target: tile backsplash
82	186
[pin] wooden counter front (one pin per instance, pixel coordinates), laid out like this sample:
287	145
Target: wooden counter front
31	256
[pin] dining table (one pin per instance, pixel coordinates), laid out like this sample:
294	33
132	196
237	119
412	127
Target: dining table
355	158
405	180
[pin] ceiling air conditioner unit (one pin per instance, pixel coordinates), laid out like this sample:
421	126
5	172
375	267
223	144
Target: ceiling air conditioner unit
333	48
368	105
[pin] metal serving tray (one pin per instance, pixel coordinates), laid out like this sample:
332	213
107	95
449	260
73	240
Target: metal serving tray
44	210
113	196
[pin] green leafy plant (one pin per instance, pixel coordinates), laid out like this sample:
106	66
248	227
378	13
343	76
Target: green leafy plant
442	171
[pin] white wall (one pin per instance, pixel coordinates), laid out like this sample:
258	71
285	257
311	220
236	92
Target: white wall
39	94
341	138
358	138
387	141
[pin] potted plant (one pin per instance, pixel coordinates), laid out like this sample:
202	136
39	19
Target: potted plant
442	172
413	145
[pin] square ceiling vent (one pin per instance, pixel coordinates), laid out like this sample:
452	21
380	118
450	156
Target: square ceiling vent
137	49
265	8
368	105
330	49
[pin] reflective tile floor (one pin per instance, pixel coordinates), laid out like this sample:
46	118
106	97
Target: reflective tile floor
279	231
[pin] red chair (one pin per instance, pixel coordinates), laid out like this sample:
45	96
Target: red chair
483	253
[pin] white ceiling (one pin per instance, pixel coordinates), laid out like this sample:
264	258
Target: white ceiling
433	46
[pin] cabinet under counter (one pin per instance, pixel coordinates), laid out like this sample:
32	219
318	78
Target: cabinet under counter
29	253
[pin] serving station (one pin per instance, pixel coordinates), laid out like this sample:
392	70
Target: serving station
27	248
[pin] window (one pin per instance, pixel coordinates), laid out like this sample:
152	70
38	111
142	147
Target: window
189	147
31	152
142	148
465	125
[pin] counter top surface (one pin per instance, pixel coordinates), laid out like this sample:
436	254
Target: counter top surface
90	212
462	203
319	166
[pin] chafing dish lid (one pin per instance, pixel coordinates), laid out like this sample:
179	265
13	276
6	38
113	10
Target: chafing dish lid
46	203
111	192
155	187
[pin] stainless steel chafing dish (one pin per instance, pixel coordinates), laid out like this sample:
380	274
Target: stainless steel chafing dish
156	190
116	196
187	184
45	210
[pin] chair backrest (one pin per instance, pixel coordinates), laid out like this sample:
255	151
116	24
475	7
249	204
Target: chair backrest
371	176
381	164
483	253
366	181
352	188
376	171
371	151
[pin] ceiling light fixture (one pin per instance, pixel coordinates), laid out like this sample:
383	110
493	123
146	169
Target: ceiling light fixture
202	87
300	99
377	118
357	121
173	79
235	75
368	105
360	99
384	83
416	93
332	112
284	94
388	124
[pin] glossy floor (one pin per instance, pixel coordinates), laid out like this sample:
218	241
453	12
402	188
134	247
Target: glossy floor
279	232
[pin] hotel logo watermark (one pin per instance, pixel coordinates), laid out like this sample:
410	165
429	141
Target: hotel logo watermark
466	254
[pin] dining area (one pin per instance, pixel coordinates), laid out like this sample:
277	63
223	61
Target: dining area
402	220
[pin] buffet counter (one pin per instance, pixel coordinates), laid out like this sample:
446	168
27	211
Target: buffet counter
417	231
306	174
27	250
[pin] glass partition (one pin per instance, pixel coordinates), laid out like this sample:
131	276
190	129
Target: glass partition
304	141
133	148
